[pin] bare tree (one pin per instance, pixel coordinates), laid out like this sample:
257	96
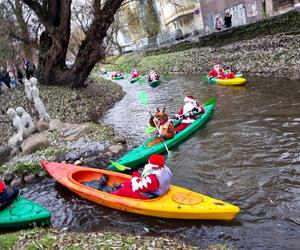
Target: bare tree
55	16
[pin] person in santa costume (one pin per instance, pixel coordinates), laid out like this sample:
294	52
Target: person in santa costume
189	113
217	72
228	74
116	74
155	179
7	195
163	124
153	76
134	73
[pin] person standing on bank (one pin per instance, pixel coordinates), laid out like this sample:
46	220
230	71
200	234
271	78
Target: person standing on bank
219	23
227	20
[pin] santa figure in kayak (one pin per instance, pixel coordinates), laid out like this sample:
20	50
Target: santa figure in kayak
155	180
188	113
134	73
7	195
217	72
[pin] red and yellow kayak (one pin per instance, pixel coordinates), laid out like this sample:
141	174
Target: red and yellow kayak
234	81
177	203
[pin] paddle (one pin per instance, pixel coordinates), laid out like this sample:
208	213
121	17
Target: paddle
120	166
141	81
143	98
149	129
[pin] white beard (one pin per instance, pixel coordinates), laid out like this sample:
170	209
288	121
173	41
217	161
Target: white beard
189	107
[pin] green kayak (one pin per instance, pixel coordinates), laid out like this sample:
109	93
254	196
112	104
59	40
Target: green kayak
141	154
154	83
135	79
22	213
118	77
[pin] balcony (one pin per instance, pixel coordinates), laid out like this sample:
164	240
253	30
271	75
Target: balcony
174	11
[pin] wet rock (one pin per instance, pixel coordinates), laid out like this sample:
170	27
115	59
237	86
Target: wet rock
29	178
34	143
78	162
42	126
93	161
115	149
119	139
55	124
4	153
16	182
73	131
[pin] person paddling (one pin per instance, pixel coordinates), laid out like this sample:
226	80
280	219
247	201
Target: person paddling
134	73
7	195
217	72
189	113
153	76
154	181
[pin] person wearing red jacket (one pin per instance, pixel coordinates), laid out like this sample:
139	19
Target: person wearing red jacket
134	73
7	195
188	113
155	179
217	72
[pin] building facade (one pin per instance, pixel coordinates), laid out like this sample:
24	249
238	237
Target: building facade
277	7
242	11
181	16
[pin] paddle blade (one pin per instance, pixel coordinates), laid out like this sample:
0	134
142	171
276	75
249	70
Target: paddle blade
149	130
210	101
119	166
141	81
204	78
143	98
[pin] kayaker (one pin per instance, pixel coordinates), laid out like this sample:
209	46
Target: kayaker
7	195
165	126
116	74
134	73
228	74
153	76
155	179
217	72
189	113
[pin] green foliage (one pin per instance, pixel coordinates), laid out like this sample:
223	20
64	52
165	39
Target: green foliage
7	241
48	242
32	167
3	168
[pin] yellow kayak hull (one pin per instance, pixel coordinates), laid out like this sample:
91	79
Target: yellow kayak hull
234	81
177	203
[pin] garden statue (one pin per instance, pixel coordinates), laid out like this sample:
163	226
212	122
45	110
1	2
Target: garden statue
39	105
27	121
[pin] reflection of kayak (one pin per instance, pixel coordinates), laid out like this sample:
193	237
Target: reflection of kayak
154	83
118	77
233	81
177	203
23	212
135	79
141	154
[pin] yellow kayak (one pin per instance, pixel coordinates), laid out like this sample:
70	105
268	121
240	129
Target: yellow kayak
177	203
233	81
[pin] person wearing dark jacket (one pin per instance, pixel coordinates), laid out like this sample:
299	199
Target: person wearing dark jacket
4	77
227	20
7	195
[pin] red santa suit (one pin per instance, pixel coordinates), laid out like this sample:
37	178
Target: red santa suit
134	73
155	178
189	105
217	72
2	186
229	75
152	76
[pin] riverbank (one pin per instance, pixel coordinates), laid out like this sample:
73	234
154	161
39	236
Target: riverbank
274	55
74	134
60	239
270	47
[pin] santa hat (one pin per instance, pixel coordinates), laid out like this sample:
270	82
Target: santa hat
157	160
216	65
189	98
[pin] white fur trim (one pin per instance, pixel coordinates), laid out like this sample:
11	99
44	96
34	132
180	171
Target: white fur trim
139	185
187	99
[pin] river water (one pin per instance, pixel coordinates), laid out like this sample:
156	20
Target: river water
247	155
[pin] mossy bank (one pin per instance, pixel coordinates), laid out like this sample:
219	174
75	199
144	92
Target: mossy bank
267	48
60	239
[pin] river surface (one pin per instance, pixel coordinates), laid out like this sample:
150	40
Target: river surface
248	154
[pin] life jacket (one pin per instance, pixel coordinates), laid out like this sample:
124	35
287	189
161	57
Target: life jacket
163	175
